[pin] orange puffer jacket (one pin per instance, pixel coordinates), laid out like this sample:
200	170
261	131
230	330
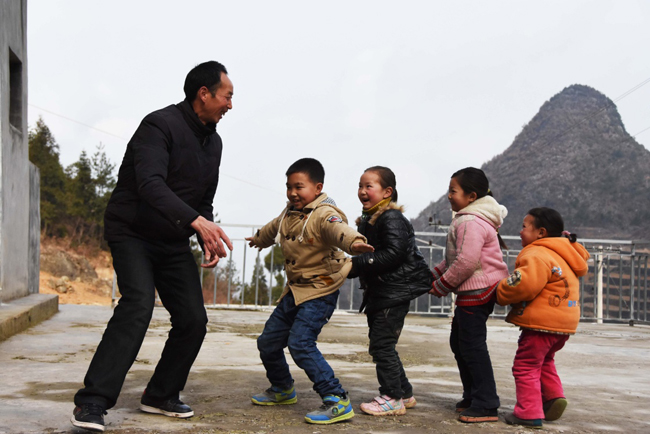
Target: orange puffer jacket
544	288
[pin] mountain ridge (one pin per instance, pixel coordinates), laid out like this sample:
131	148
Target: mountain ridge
576	156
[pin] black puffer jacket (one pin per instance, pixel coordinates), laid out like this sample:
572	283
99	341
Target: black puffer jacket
396	271
168	177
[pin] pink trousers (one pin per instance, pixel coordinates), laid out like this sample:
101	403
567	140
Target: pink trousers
536	379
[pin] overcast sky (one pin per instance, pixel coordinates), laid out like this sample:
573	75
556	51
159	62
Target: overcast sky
411	85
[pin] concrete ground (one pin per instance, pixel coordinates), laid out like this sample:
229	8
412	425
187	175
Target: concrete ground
605	370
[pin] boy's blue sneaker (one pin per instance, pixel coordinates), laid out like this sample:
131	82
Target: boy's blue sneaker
334	409
275	396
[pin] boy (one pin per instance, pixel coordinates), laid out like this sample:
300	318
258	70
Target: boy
311	231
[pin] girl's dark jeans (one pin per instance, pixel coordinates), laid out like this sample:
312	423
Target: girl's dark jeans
468	341
385	329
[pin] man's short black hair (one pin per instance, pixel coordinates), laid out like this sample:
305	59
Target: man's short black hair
206	74
309	166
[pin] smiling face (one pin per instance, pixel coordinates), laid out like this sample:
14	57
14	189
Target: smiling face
214	107
301	190
529	232
457	196
370	190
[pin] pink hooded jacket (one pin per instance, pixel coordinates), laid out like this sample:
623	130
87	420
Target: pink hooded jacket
473	260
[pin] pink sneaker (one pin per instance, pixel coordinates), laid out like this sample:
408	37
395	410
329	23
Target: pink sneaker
384	406
410	402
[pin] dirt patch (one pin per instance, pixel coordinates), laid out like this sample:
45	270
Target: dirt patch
76	292
360	357
76	276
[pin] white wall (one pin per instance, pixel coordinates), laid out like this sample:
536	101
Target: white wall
16	257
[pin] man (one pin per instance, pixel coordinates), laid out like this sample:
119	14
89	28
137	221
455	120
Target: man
163	195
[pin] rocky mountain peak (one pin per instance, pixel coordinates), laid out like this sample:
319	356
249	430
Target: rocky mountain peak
575	156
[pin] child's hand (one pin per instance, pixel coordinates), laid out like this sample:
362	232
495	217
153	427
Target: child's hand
251	242
358	248
436	291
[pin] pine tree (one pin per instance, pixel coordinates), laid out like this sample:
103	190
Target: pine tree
257	292
103	183
44	154
81	198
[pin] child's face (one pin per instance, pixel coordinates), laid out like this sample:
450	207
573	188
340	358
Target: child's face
529	232
301	190
370	190
457	197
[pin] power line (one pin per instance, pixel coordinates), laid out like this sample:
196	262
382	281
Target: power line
635	88
77	122
645	129
114	135
250	183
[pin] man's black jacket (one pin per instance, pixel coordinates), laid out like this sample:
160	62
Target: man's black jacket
168	177
396	271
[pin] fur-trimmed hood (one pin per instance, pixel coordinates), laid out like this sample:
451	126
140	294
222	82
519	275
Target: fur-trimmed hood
488	209
376	215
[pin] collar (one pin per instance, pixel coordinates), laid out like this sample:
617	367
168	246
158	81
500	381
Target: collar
199	129
366	214
488	209
322	198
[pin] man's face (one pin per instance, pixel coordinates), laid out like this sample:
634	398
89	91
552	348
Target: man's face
301	190
215	106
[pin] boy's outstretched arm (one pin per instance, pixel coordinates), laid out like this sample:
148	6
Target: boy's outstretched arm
252	243
265	236
335	232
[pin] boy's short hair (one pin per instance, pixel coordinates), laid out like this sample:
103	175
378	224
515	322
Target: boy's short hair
309	166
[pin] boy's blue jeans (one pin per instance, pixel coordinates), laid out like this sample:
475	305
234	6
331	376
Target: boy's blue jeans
298	328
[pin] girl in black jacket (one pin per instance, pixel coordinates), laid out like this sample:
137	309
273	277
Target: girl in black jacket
391	276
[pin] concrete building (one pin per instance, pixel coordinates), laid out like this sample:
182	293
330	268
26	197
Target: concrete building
19	180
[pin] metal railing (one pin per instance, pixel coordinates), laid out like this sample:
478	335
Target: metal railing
615	288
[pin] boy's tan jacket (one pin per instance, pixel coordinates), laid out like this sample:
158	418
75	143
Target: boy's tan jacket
311	241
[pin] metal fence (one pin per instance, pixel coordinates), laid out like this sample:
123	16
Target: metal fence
615	288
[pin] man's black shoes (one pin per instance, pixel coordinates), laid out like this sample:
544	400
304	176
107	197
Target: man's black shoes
173	407
89	416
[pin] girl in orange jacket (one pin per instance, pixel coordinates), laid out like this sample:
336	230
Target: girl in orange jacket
544	294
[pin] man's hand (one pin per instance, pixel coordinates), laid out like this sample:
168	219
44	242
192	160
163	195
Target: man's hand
212	236
213	262
358	248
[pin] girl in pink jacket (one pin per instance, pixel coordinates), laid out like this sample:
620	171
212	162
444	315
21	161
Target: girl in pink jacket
472	269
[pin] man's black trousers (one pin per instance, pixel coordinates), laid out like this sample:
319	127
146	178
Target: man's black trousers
141	268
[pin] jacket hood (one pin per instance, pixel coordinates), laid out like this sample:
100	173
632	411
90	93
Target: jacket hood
375	216
322	199
488	209
574	254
